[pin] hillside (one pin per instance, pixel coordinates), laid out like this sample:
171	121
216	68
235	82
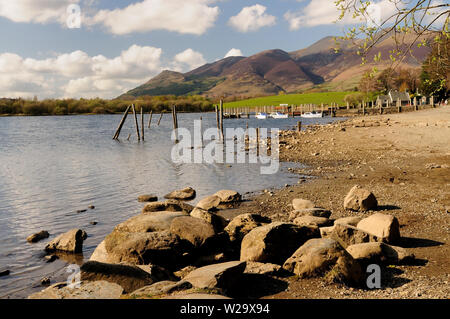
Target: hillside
273	71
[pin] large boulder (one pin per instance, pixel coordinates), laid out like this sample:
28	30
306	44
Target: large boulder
324	257
348	235
275	242
210	203
187	194
375	253
195	230
313	221
87	290
38	236
149	222
157	248
224	275
360	199
243	224
168	205
385	227
129	277
228	196
218	222
71	242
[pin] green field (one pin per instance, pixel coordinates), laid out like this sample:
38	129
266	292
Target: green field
292	99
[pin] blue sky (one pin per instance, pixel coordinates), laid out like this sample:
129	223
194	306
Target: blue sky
122	44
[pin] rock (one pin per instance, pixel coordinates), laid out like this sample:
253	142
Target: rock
375	253
210	203
71	242
91	207
157	248
218	222
274	243
195	230
187	193
130	278
149	222
228	196
168	205
348	235
313	221
385	227
147	198
243	224
360	199
352	221
325	232
38	236
51	258
301	204
157	272
4	273
224	275
45	281
262	269
89	290
324	257
316	212
184	272
161	288
195	296
93	223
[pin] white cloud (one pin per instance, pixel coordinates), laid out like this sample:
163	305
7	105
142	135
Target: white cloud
252	19
233	52
188	60
325	12
186	17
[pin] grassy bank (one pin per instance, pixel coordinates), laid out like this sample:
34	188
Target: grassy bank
292	99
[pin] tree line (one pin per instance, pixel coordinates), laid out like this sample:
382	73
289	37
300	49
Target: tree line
101	106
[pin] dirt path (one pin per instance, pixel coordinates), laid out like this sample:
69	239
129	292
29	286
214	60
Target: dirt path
404	159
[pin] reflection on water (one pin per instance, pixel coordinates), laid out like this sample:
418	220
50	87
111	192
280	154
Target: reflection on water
51	167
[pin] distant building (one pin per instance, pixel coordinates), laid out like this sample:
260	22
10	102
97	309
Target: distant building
392	97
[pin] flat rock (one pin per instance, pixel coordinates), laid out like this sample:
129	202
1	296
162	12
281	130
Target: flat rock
352	221
313	221
71	242
316	212
38	236
228	196
262	268
360	199
210	203
241	225
147	198
225	275
149	222
369	253
385	227
195	230
275	242
187	194
324	257
130	278
168	205
348	235
87	290
161	288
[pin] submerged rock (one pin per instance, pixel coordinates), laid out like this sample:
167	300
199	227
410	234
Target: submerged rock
38	236
147	198
71	242
187	194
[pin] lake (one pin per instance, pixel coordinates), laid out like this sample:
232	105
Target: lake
51	167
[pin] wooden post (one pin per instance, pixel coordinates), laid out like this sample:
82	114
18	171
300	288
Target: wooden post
299	126
160	117
150	119
415	104
136	123
257	141
399	105
125	115
142	123
432	101
221	120
201	129
217	119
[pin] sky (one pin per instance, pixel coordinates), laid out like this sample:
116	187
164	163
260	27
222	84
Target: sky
103	48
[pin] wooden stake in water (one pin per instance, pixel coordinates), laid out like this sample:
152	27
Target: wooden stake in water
299	126
142	123
150	119
221	119
136	122
159	121
257	141
116	135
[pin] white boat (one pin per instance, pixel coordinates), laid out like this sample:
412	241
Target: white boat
279	115
312	115
261	116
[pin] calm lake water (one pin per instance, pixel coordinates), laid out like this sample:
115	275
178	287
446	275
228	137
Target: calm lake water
50	167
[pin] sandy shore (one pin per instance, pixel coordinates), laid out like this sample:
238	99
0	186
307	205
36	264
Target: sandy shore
404	159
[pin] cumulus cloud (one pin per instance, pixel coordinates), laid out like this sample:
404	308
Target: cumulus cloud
252	19
325	12
233	52
186	17
188	60
77	74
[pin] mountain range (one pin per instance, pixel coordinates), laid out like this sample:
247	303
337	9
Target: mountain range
275	71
